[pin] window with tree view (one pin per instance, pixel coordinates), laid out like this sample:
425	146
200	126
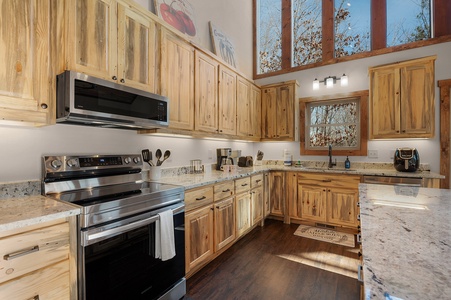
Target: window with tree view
333	123
298	34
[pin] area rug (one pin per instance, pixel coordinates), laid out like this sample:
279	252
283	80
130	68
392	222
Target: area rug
326	235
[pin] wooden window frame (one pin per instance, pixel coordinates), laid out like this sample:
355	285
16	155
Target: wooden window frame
362	97
441	11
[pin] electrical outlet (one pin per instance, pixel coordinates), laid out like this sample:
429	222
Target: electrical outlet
372	154
210	154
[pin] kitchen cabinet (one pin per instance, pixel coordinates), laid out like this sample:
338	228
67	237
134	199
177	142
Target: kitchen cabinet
277	193
243	205
224	218
327	199
111	40
28	51
39	261
266	195
206	93
248	109
177	79
227	101
257	200
198	237
402	99
280	112
294	207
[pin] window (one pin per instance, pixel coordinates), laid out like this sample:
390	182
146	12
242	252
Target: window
340	122
292	35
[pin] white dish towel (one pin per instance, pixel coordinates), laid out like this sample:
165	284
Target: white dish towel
164	236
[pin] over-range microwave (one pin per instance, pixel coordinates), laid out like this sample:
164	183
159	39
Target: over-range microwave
86	100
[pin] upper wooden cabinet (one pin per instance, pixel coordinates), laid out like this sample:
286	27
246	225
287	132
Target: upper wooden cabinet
111	40
227	101
280	112
206	93
177	79
248	109
27	49
402	101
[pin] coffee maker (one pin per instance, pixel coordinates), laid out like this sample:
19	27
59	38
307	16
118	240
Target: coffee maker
224	157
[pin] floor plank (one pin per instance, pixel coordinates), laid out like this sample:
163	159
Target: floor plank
272	263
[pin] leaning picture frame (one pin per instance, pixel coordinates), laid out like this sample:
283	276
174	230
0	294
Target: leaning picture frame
178	14
222	45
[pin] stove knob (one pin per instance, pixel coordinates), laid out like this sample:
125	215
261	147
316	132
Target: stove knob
127	160
136	160
72	162
56	163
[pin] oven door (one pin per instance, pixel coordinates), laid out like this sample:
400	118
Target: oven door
117	260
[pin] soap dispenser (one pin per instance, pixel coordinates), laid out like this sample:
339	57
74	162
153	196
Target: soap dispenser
347	163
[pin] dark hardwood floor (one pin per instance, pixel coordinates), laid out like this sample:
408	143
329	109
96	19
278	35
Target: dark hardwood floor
272	263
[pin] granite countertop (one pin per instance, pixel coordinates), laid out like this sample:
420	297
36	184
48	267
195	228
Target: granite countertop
29	210
190	181
406	242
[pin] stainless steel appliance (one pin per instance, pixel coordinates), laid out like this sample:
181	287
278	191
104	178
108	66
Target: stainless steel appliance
86	100
406	160
223	157
116	236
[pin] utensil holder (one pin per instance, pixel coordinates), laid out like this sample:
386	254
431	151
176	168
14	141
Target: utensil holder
154	173
196	166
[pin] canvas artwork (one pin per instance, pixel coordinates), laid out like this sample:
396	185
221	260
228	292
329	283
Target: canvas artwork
222	45
177	13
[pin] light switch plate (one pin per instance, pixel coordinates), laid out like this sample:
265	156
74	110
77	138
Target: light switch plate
372	154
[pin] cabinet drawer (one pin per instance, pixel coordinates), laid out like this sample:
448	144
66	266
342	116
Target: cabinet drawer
51	283
336	180
31	250
198	197
242	185
256	180
223	190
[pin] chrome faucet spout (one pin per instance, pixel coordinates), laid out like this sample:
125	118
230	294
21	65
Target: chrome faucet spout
331	164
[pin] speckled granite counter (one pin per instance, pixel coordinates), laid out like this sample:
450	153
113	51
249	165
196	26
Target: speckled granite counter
30	210
406	242
195	180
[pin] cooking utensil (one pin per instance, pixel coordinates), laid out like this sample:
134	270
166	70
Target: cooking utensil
158	156
147	156
166	155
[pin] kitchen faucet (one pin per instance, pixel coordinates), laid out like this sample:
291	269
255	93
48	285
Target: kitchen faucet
331	164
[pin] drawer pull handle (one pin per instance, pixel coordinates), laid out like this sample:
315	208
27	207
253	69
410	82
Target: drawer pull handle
34	298
21	253
244	184
359	238
258	180
225	191
201	198
327	180
358	217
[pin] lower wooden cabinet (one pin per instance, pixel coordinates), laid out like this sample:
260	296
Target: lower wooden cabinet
312	202
224	223
39	261
243	213
257	205
198	237
342	206
277	193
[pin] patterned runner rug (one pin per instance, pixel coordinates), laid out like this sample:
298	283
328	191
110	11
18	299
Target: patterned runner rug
326	235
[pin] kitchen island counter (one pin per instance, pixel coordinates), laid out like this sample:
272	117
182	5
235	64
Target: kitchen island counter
406	242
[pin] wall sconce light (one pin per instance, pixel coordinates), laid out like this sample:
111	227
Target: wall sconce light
330	81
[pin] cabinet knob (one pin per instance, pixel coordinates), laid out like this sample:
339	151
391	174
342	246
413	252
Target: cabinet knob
114	78
44	106
122	80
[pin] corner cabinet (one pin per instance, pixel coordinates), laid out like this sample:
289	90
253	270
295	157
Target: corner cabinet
28	51
111	40
280	112
248	109
402	102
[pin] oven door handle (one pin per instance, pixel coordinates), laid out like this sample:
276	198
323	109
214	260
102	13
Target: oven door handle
88	238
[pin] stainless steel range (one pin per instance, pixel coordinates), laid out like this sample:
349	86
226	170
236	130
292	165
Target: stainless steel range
116	237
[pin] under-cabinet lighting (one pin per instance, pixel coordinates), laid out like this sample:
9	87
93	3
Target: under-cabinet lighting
330	81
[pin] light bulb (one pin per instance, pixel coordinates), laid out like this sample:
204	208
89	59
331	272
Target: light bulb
329	82
316	84
344	80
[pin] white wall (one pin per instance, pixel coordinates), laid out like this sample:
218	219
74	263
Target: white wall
357	71
233	17
21	149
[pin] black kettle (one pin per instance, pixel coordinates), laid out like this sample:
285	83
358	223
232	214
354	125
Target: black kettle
406	160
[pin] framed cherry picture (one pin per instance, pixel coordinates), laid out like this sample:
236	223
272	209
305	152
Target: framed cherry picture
177	13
